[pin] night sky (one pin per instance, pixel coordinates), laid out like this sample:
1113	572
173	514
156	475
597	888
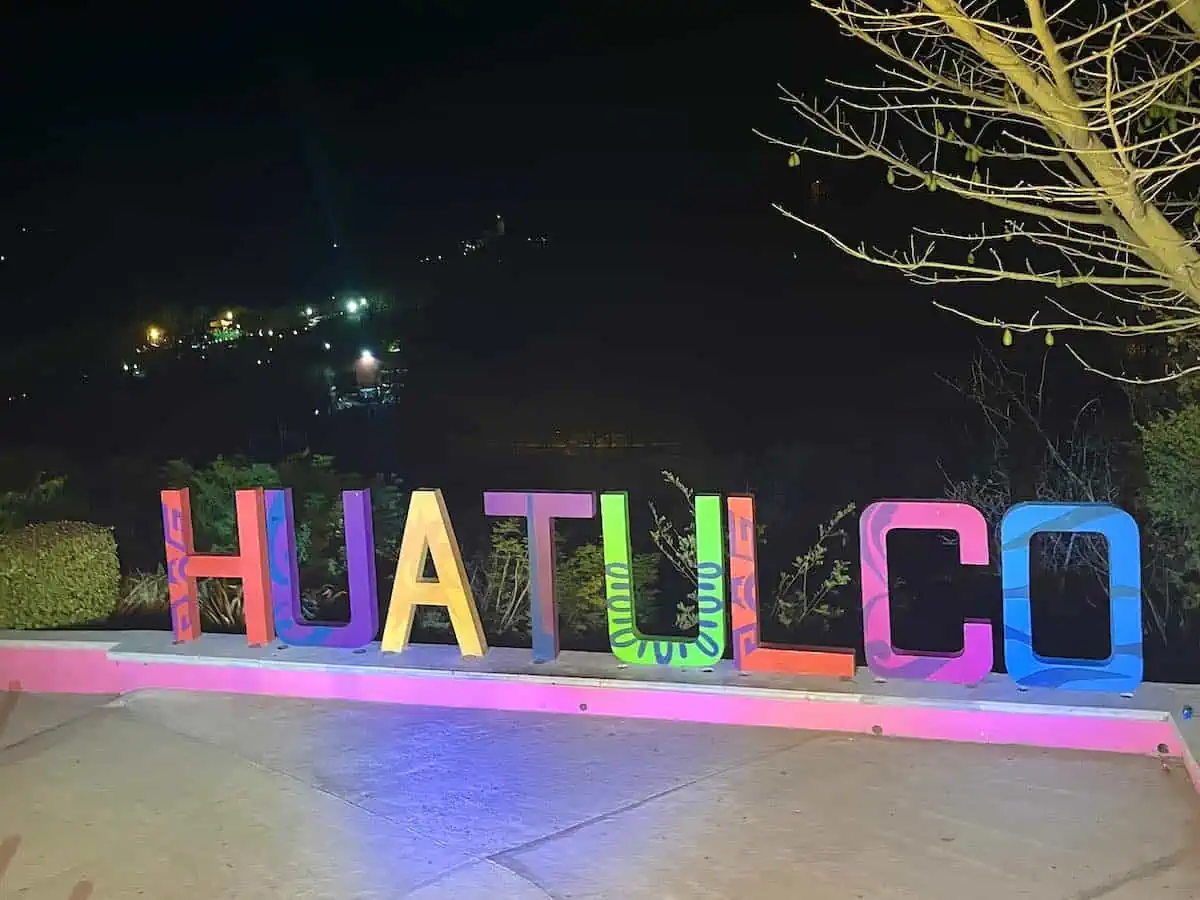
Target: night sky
216	158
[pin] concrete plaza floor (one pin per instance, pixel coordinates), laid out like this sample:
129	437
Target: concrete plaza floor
169	796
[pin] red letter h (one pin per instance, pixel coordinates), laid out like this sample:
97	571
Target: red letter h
185	565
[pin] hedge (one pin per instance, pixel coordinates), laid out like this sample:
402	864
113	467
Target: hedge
58	574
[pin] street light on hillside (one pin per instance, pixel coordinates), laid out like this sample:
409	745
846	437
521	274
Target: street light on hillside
366	370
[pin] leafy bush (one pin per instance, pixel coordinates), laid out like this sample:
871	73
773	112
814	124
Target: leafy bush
222	601
320	533
500	582
317	497
142	593
31	503
1170	447
57	575
214	514
807	587
1171	452
582	604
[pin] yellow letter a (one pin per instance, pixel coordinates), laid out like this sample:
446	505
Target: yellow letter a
427	530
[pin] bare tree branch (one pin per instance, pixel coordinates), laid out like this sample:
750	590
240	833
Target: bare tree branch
1085	133
1074	464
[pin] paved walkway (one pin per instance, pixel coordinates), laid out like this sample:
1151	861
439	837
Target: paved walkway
189	797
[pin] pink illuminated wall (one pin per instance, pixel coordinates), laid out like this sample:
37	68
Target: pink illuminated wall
62	667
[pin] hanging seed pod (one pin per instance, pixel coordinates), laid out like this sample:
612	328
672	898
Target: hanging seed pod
1049	338
1006	338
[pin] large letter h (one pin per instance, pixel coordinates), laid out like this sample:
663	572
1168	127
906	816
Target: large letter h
185	565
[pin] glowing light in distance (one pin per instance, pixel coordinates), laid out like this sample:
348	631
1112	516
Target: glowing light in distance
352	306
327	345
367	356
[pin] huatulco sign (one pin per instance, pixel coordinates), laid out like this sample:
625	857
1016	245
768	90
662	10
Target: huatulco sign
727	577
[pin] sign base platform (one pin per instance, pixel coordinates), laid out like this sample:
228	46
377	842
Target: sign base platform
1155	721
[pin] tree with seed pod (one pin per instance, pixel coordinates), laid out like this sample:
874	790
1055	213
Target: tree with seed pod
1074	129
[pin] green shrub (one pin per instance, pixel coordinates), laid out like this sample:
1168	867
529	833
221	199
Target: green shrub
582	601
1170	445
500	583
144	593
31	503
57	575
317	493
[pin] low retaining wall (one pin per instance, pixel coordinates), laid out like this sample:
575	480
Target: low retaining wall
1152	722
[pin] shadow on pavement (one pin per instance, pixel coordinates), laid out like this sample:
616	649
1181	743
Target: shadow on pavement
11	844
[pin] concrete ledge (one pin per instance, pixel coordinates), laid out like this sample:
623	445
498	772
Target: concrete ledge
1150	722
